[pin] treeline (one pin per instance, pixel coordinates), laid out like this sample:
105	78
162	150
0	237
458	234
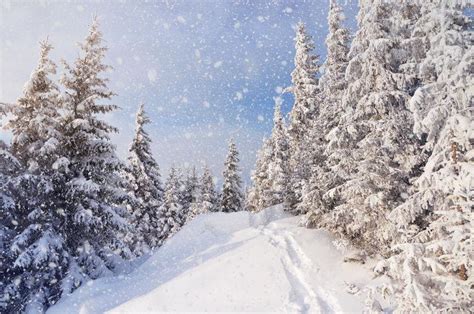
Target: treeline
70	209
379	147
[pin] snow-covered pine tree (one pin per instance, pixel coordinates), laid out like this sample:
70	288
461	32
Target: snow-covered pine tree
337	44
333	85
260	193
376	150
432	268
9	168
271	175
191	192
232	198
93	197
278	168
34	121
445	76
432	261
306	93
206	200
37	253
170	213
145	184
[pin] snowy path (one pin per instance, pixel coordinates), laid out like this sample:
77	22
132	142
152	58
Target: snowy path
298	269
232	262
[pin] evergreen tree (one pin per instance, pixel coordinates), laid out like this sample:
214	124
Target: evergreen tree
432	266
231	198
260	194
171	211
337	44
9	168
271	176
37	252
209	199
306	93
191	192
206	197
432	259
279	164
145	182
93	194
333	83
376	151
444	72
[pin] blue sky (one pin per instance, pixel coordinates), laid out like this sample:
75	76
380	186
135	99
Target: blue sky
206	70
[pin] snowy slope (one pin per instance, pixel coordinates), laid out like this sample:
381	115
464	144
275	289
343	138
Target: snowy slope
232	262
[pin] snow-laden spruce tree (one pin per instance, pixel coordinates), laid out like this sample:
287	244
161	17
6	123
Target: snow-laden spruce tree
92	193
432	268
333	85
432	261
376	150
270	179
143	174
191	191
206	200
444	94
278	168
170	213
231	197
9	168
37	254
306	94
337	44
260	193
34	122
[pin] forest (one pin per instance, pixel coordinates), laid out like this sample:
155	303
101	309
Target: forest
378	149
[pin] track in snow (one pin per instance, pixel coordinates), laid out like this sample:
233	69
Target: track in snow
298	269
240	262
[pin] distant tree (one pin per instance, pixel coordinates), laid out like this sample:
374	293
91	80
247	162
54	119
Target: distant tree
259	195
272	176
306	93
145	185
323	173
170	214
337	44
209	197
206	200
191	191
279	173
232	198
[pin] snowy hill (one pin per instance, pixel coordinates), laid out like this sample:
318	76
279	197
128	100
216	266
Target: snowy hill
232	262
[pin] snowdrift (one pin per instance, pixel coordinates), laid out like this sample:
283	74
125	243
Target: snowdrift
232	262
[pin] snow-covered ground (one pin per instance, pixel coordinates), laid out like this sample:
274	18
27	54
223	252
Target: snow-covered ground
233	262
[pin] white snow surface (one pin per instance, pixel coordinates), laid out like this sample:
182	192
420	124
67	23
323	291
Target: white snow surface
239	262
